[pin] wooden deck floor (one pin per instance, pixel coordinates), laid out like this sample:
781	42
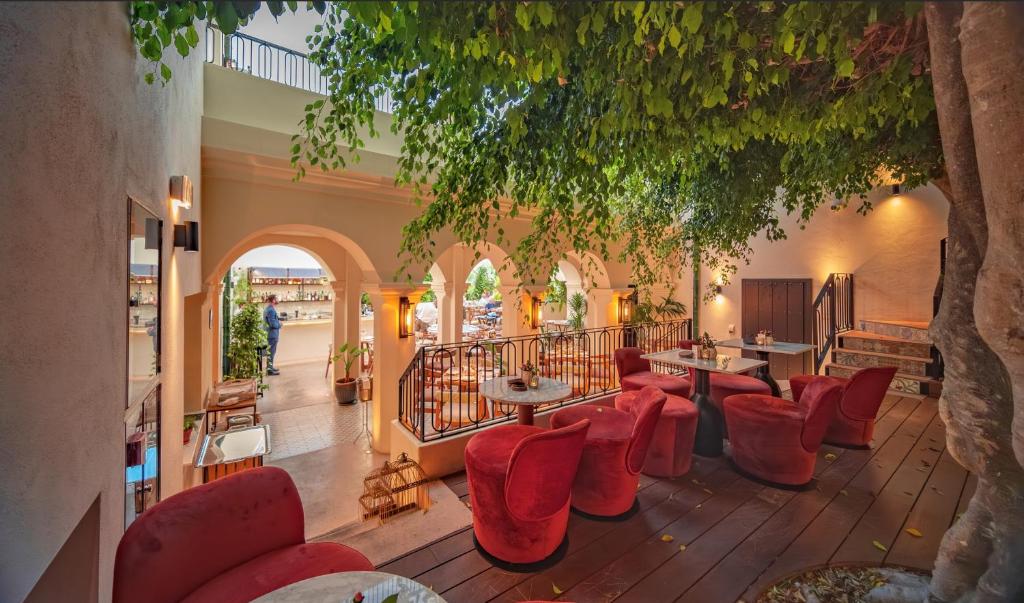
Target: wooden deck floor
738	535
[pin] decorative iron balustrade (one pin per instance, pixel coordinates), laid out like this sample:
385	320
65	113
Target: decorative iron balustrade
439	391
833	314
269	61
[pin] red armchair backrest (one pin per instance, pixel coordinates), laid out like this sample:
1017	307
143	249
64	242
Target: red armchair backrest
865	392
651	401
188	539
628	361
541	471
819	400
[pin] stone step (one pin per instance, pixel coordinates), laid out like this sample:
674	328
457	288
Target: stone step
873	342
902	382
912	365
902	329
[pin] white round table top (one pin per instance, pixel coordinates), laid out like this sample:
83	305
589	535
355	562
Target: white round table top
343	586
549	390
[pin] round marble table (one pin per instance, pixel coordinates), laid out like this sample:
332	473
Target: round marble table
549	390
343	586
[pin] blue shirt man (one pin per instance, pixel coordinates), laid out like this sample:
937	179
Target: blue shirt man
273	326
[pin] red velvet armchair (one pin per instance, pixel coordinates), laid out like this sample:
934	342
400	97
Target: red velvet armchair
519	485
854	421
615	451
776	440
231	540
635	373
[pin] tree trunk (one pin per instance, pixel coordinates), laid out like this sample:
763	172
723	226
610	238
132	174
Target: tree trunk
992	41
978	558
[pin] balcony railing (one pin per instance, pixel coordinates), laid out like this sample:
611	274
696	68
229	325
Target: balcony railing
439	391
833	314
269	61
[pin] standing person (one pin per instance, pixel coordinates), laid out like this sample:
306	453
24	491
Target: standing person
273	325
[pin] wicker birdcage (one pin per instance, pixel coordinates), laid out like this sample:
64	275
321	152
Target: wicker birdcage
397	486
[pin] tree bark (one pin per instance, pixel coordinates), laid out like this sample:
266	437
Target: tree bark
977	558
992	43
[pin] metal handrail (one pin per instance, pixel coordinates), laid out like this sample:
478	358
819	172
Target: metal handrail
833	314
273	62
438	392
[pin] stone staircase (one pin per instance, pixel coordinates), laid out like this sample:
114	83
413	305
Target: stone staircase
902	344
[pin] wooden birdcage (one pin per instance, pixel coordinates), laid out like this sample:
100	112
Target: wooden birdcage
397	486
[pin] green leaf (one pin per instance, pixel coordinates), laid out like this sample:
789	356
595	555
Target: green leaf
674	36
181	45
523	16
165	72
192	36
227	18
845	67
545	13
788	40
693	16
597	22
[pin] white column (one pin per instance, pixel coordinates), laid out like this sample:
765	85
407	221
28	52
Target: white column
391	355
445	313
515	309
601	311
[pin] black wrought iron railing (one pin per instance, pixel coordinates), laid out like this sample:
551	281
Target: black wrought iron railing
439	391
269	61
833	314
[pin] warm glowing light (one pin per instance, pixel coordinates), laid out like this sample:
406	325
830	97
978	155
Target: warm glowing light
181	192
625	310
719	299
405	317
535	313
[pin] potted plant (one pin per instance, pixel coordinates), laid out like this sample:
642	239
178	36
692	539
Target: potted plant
577	311
705	347
190	424
345	387
526	372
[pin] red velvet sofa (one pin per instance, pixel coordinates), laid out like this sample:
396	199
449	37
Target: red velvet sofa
614	454
635	373
854	421
777	440
231	540
519	485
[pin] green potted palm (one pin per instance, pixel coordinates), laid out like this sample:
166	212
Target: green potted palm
577	311
345	387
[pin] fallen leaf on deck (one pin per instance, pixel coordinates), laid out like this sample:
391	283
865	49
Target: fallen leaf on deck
698	506
914	532
708	491
844	492
830	457
696	481
682	548
555	589
667	538
879	545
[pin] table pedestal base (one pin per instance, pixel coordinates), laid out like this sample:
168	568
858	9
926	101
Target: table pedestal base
525	414
765	375
708	441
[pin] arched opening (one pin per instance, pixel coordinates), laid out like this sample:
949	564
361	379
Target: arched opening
565	303
481	304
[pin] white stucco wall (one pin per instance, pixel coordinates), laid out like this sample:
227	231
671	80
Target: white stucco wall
893	253
81	132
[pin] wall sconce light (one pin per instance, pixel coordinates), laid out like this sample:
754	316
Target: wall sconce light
896	189
625	310
405	317
717	288
181	191
186	236
535	312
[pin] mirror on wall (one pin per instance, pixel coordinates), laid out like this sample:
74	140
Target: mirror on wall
142	415
143	301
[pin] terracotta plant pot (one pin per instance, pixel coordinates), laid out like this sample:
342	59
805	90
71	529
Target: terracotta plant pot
187	435
345	390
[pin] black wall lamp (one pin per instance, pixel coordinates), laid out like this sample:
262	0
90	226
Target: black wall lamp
896	189
186	236
405	317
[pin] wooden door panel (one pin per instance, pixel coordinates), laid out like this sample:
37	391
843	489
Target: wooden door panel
784	307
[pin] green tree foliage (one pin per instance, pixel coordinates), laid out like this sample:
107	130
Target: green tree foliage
482	281
247	336
556	293
647	131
